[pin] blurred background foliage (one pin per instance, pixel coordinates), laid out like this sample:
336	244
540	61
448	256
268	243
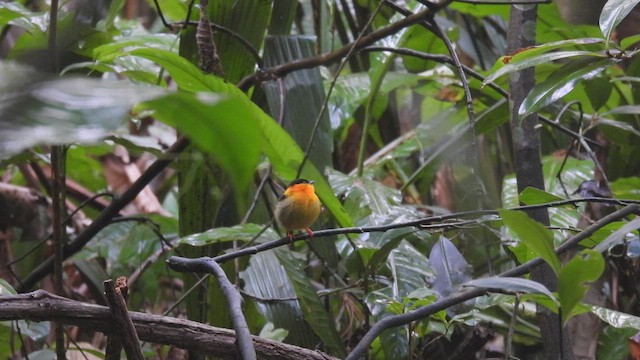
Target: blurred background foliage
388	137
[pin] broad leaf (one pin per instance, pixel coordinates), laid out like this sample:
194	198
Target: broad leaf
35	109
574	279
266	279
534	235
222	126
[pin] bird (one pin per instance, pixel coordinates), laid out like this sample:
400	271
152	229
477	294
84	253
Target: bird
298	207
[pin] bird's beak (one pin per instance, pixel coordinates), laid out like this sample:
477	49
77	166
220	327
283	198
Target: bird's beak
312	182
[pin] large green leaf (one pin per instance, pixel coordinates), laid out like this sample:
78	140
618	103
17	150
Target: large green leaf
613	12
534	235
36	109
561	82
574	278
313	309
222	126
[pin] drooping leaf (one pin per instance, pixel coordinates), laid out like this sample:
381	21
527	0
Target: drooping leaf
534	235
35	109
222	126
561	82
613	12
574	278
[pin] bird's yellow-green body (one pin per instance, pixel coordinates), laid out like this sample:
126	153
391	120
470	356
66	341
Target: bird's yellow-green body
299	207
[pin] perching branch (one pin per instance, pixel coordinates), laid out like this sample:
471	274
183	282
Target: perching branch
234	300
426	311
216	342
419	223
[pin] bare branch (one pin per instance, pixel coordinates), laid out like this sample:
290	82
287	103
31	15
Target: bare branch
217	342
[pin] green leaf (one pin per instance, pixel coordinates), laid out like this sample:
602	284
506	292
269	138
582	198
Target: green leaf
561	82
517	285
36	109
616	319
222	126
626	188
243	232
534	235
613	12
535	196
185	74
6	288
313	309
529	58
574	279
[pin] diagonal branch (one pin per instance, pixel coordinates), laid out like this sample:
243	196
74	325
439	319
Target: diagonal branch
245	345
